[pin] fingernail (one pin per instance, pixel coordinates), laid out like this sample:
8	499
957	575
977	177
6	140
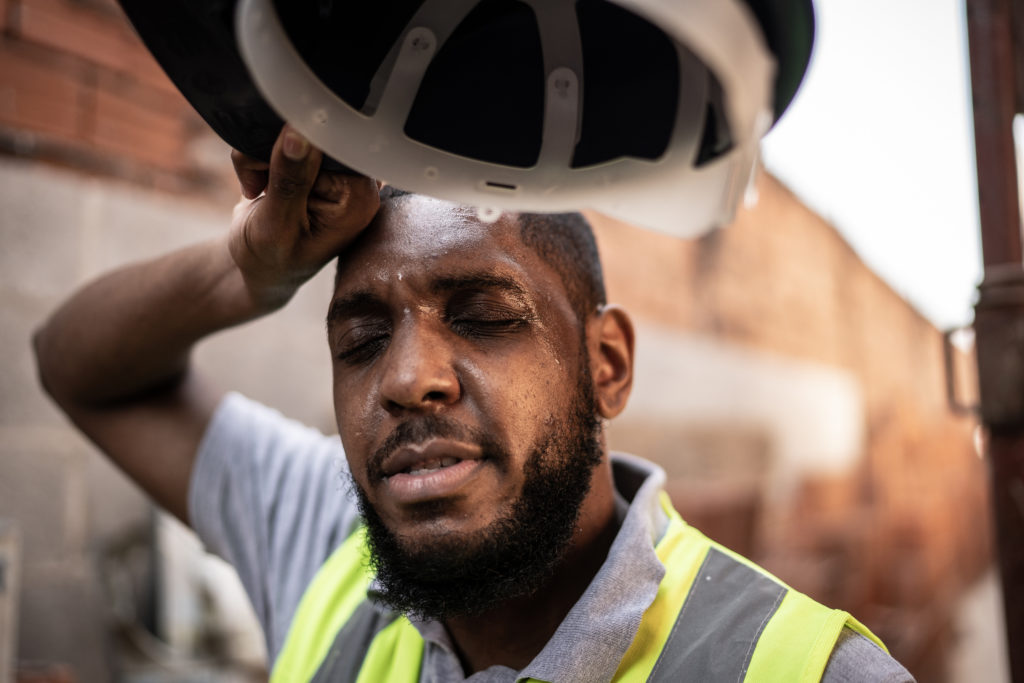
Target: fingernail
296	147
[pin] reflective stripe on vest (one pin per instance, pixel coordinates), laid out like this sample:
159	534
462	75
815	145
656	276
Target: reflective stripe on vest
335	624
716	617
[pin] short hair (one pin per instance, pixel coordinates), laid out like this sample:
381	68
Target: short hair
565	241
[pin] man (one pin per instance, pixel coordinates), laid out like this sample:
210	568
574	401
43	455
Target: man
473	365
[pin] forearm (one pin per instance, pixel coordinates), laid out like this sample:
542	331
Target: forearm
130	332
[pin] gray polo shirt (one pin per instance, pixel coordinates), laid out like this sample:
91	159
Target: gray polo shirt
271	497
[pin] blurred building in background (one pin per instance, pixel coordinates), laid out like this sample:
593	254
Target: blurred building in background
798	406
796	402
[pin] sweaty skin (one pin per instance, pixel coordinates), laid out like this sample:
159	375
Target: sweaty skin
435	313
465	334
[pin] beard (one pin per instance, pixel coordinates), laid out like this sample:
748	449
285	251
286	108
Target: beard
465	574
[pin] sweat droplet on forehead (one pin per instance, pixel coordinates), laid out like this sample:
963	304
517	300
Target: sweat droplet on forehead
432	227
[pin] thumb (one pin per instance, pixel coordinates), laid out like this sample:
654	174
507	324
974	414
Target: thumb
294	164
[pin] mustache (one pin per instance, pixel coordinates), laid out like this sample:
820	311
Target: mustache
428	427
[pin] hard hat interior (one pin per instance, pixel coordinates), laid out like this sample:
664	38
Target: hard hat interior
482	96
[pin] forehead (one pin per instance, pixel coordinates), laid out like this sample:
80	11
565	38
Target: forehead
420	237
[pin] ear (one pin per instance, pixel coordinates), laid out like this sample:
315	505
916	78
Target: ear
610	342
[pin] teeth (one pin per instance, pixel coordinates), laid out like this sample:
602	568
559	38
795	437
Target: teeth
433	465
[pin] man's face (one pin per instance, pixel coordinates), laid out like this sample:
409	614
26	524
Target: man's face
459	374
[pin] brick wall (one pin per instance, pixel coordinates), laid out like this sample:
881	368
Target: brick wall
79	89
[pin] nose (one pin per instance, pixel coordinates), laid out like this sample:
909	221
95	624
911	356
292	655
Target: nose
418	371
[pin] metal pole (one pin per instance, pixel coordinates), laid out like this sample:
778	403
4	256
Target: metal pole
997	80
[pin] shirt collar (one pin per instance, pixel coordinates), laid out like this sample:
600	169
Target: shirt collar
593	638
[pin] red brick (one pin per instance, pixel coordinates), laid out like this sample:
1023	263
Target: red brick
668	269
37	95
97	35
170	102
127	128
110	6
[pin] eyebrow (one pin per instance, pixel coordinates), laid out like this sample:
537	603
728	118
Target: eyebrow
478	281
356	303
365	302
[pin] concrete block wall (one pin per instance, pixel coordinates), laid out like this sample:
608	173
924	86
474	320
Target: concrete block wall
75	510
10	584
103	163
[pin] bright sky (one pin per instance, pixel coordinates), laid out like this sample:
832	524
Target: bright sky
880	142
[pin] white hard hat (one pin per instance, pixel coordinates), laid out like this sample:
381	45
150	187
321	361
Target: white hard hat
647	110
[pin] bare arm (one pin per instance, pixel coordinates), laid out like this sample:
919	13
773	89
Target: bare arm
115	356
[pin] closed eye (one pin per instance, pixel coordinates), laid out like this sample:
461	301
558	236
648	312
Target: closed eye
486	328
362	343
482	319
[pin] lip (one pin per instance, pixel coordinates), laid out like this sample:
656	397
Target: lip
407	457
404	488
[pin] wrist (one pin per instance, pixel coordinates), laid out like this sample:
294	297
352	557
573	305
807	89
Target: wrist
257	286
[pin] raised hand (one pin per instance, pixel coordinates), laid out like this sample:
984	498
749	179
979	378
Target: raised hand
293	218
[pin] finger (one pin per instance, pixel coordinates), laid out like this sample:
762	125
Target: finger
357	195
252	174
347	216
293	169
334	186
331	186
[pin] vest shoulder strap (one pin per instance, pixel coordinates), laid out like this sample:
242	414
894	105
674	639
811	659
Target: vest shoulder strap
334	594
799	639
719	617
337	635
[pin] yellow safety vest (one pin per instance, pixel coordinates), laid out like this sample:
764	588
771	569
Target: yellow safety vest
716	616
